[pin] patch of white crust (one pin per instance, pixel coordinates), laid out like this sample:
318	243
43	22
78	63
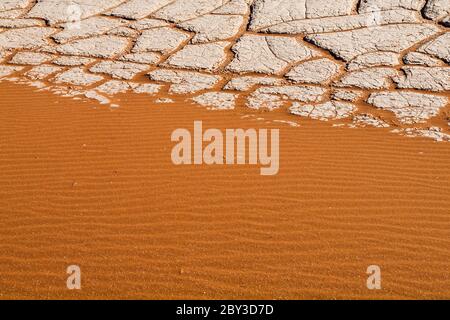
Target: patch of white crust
77	76
43	71
184	82
208	56
348	45
216	100
163	40
30	58
321	57
319	71
9	70
268	54
331	110
118	69
98	47
409	107
373	78
424	78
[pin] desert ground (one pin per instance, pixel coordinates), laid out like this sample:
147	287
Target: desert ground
92	90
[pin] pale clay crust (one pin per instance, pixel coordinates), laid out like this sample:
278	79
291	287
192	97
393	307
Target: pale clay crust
315	58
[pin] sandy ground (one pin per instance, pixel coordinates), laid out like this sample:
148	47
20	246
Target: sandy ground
87	185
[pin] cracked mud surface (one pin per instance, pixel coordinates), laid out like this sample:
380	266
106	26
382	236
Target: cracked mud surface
355	63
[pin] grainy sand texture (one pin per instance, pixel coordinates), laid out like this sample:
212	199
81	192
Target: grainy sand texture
90	92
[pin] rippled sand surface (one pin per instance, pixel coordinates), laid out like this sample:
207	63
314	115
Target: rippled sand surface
93	186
